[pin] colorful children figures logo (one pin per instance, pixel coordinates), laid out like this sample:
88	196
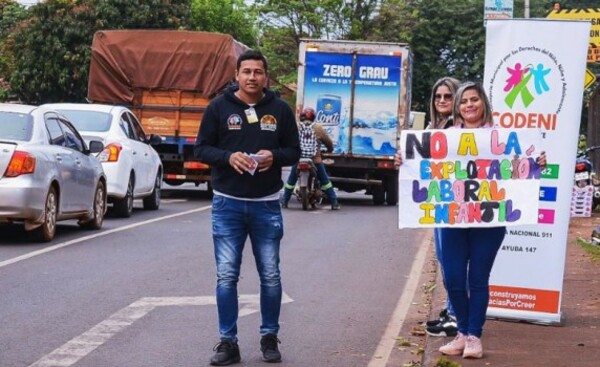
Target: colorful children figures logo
462	177
517	85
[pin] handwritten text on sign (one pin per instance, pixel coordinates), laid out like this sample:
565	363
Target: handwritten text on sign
469	177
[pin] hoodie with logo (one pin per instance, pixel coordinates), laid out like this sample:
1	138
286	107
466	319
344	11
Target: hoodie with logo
225	129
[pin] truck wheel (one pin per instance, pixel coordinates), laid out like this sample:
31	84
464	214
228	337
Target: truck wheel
209	190
378	195
391	190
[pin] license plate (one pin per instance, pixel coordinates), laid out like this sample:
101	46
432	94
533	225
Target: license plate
582	176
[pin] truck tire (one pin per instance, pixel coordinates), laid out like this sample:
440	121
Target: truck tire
378	195
391	190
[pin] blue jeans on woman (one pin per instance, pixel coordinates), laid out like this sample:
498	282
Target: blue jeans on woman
468	256
233	221
437	241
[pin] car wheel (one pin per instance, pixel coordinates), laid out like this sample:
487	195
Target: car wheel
152	202
95	222
46	232
124	207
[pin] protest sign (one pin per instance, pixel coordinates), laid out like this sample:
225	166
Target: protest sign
469	177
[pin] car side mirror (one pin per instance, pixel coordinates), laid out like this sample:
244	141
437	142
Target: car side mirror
155	139
96	146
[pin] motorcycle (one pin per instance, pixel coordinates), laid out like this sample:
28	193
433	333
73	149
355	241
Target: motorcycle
308	188
585	174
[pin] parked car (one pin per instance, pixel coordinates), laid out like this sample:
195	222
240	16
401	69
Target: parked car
132	166
48	173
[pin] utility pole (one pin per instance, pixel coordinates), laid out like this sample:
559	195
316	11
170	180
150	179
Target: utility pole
526	8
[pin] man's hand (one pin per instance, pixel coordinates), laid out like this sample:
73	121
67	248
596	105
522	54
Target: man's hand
264	159
241	162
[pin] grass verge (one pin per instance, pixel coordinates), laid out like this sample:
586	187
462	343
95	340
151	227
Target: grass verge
593	250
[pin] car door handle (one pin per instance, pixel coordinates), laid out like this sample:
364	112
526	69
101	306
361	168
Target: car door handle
58	158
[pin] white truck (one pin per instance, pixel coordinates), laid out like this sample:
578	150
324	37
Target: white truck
361	92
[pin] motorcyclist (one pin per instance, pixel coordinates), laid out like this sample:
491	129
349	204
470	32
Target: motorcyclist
307	117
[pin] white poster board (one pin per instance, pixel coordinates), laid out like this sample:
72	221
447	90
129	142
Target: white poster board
534	73
469	178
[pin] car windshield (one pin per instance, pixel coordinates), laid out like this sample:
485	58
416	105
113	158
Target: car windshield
15	126
88	120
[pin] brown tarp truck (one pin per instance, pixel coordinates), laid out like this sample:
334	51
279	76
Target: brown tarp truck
167	78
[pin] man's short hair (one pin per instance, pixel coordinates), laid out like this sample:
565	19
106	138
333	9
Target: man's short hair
252	55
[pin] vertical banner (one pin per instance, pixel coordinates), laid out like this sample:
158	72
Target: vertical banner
329	86
534	73
469	178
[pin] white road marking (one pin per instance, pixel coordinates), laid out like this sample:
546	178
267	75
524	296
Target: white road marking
388	340
100	234
75	349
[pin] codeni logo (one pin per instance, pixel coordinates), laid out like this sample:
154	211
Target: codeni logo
527	89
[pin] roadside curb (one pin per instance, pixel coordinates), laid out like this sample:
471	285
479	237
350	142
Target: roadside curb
411	341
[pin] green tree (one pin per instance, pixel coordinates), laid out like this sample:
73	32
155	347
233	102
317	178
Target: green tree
52	47
10	14
447	39
283	23
232	17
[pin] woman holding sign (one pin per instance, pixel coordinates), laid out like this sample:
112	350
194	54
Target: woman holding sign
469	253
440	112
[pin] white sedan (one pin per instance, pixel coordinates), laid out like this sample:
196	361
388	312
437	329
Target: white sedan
132	166
47	172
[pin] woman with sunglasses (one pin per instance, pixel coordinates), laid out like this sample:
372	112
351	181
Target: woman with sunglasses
440	112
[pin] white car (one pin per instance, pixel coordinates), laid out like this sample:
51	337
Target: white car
132	166
47	172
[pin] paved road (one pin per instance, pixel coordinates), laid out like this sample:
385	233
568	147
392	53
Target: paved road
140	291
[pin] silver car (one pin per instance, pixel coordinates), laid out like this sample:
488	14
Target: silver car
47	172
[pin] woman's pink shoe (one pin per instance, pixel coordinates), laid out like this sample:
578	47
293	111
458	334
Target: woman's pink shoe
473	347
455	347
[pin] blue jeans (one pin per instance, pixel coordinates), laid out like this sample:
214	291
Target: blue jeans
468	255
232	222
438	254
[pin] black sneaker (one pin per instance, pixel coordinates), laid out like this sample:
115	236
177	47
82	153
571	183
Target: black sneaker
227	352
335	206
269	348
443	318
447	328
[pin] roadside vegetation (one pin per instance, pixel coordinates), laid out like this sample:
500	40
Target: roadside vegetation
593	250
45	48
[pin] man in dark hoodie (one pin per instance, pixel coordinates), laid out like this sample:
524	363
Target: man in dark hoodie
247	135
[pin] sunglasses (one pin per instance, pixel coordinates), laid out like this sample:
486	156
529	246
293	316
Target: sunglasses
447	97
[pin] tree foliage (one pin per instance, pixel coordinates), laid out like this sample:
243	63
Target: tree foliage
11	13
284	23
54	43
232	17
